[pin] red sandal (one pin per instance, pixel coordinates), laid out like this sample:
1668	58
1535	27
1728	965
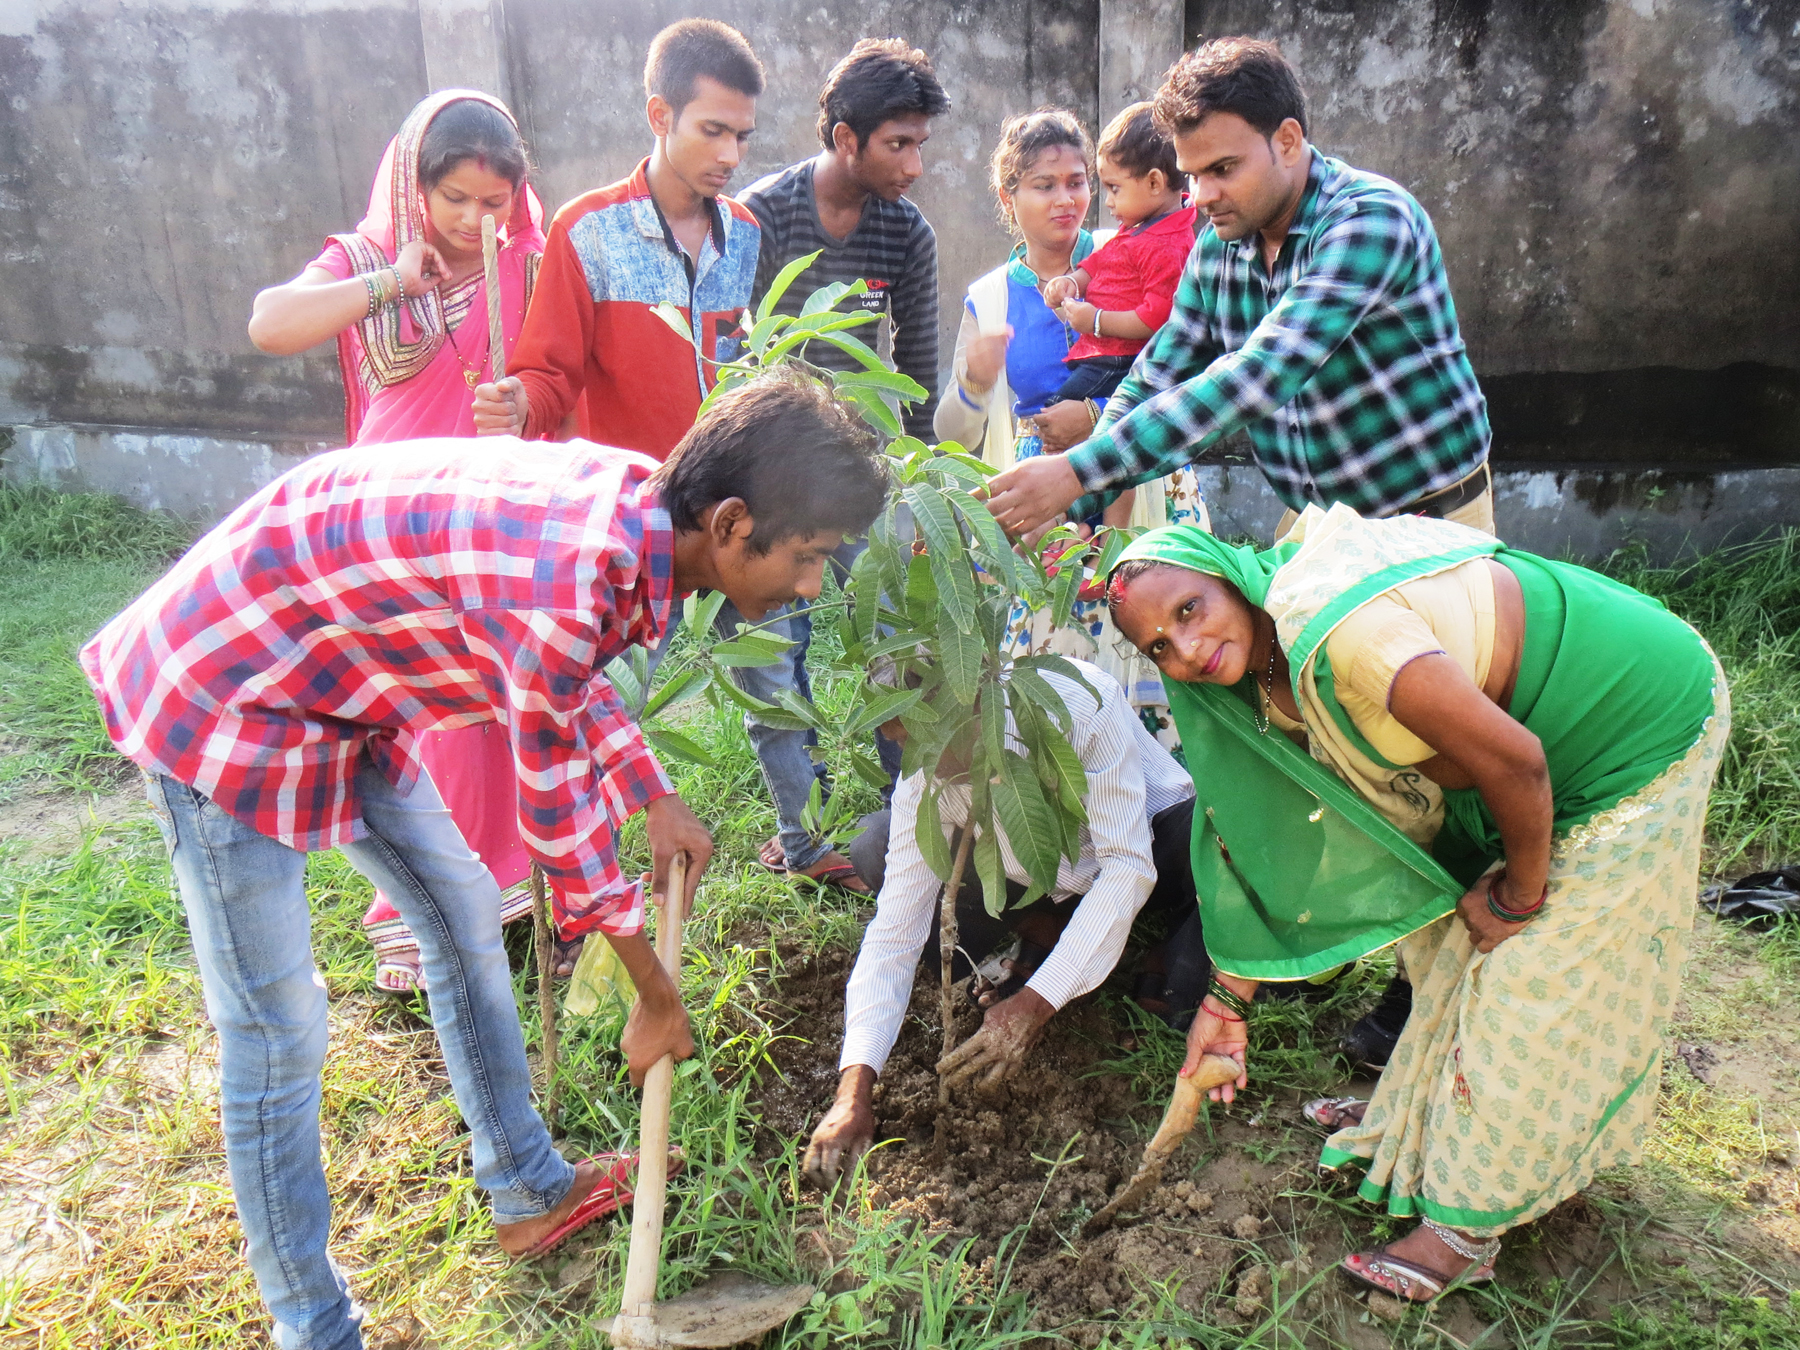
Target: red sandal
611	1192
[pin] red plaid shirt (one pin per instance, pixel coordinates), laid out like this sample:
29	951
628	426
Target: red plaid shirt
380	591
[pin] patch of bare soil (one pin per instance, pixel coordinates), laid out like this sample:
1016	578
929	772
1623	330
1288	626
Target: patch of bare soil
1029	1163
51	822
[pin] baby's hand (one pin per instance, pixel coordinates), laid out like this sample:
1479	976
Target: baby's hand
1058	290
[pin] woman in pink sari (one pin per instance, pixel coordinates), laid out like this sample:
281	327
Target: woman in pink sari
405	299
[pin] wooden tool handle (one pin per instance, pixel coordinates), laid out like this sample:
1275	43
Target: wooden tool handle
653	1133
490	267
1184	1104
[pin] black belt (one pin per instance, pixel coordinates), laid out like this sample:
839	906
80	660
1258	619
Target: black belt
1453	498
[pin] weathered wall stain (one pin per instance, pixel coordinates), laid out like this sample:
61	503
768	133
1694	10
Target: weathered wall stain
1616	182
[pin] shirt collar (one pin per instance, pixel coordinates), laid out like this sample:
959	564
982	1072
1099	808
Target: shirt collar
1307	217
651	222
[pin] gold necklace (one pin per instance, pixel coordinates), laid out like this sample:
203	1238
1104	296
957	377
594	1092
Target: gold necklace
471	374
1263	718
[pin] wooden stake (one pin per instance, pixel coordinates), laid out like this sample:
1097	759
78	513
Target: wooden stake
490	266
543	937
947	939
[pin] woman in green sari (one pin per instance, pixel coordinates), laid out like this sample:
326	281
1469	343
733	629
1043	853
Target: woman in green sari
1412	734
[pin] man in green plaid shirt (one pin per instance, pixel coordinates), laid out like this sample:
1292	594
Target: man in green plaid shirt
1313	314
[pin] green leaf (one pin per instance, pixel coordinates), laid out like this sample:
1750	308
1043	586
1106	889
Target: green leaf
677	746
763	331
930	830
624	681
1027	819
1026	680
672	315
1063	591
948	551
883	709
960	654
921	590
741	652
990	868
875	410
891	381
799	707
827	296
993	721
860	351
868	768
783	279
865	594
767	713
1061	665
700	609
678	689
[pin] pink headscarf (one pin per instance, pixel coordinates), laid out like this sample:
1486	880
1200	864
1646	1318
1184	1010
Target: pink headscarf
401	340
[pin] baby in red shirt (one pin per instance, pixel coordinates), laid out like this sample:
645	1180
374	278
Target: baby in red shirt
1123	291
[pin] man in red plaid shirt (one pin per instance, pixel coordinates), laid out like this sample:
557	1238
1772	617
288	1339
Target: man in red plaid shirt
271	685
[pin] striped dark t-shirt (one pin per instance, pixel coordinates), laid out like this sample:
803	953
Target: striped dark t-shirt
893	248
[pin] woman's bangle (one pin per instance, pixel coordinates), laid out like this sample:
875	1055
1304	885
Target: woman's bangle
1093	413
1218	1013
976	399
374	290
399	285
1506	915
1233	1002
1097	313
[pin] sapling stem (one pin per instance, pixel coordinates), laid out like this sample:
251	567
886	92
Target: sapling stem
544	940
947	940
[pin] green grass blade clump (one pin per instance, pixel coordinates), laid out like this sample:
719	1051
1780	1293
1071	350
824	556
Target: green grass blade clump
1745	601
41	524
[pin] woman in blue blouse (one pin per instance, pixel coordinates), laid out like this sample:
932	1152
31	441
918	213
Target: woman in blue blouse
1009	365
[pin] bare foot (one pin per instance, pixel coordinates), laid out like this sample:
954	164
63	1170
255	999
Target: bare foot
518	1238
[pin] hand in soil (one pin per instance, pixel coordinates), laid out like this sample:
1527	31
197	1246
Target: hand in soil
1009	1030
846	1132
1211	1035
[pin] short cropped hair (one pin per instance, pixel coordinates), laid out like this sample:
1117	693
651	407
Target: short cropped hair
1134	142
880	80
685	51
1239	75
800	458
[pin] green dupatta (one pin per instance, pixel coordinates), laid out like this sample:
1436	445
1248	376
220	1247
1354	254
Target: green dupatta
1296	873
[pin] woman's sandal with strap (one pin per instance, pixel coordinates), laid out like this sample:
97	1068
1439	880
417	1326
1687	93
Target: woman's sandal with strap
1331	1114
1396	1276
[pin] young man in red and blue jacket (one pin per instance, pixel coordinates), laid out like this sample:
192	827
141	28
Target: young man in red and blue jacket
594	358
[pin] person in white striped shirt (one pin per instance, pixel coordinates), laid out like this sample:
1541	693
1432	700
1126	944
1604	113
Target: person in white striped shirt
1134	849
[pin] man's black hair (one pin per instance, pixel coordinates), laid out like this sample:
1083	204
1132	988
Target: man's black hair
801	460
685	51
880	80
1241	75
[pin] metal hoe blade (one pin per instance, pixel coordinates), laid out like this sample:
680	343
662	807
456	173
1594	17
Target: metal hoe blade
728	1309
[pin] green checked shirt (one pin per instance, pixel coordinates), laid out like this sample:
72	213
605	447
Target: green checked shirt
1345	366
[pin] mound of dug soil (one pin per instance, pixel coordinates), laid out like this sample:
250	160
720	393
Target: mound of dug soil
1041	1154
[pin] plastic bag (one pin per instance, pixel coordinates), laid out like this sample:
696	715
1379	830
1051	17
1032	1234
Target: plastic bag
1759	900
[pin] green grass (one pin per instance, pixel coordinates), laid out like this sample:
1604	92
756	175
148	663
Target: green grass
1746	602
104	1064
71	562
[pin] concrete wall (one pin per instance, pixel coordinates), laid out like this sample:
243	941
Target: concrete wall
1617	187
159	164
1616	182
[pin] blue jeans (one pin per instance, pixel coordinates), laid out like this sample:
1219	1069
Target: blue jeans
787	765
247	912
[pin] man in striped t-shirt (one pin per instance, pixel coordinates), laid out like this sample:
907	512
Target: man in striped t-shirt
848	204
